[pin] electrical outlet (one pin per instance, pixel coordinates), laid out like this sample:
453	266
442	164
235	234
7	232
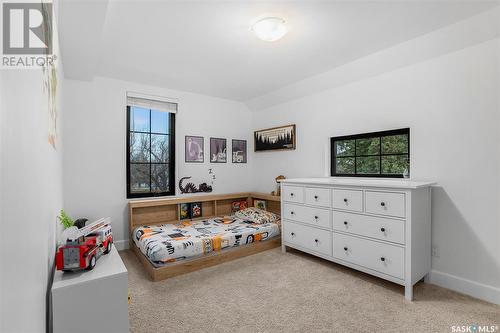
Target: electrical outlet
435	251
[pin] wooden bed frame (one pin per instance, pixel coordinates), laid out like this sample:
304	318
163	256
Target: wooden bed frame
161	211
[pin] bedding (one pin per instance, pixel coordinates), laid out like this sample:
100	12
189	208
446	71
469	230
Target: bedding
169	243
257	215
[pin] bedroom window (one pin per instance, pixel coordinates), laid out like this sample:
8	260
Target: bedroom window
377	154
150	147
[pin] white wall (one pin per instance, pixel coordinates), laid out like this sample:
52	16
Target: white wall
30	197
451	103
31	180
95	146
2	107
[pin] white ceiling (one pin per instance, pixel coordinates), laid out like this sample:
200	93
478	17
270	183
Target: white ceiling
206	47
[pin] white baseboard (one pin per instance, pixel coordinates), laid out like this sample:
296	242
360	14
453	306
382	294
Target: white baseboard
121	244
464	286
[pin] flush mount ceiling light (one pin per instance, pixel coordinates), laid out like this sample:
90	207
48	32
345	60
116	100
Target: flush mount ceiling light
270	29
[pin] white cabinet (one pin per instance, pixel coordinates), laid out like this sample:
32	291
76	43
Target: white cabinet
293	194
381	257
381	227
315	240
92	301
348	200
385	203
318	196
391	230
315	216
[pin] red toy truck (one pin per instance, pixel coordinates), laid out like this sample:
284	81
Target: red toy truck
84	246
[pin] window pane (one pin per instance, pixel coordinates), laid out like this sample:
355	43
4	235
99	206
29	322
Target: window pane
344	148
395	165
139	147
159	148
139	119
368	146
139	178
395	144
368	165
159	122
159	178
345	165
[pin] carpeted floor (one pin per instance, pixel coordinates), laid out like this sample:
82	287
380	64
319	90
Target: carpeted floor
292	292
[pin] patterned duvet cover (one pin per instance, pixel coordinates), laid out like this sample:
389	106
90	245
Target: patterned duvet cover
168	243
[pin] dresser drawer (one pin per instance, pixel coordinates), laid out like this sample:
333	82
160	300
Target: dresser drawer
311	238
385	203
376	227
348	200
311	215
318	196
293	194
383	258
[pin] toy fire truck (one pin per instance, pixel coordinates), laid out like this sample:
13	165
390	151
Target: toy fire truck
85	245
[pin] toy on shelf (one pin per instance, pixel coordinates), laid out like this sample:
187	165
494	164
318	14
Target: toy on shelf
278	187
85	245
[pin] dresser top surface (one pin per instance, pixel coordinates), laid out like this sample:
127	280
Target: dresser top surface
107	265
366	182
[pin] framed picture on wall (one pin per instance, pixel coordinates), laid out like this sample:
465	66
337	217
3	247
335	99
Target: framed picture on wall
239	150
193	147
218	150
276	138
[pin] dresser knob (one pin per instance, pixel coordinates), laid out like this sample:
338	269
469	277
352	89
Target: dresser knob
316	240
345	248
293	234
291	194
382	258
316	197
345	222
292	213
382	229
316	217
345	199
382	204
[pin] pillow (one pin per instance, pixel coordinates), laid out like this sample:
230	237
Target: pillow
257	215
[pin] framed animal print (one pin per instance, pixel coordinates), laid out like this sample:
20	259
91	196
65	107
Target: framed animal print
194	149
239	149
196	210
276	138
218	150
184	211
261	204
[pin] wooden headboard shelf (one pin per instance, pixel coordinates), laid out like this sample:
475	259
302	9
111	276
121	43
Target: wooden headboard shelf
161	211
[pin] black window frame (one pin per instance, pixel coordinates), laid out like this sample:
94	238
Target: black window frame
171	163
379	134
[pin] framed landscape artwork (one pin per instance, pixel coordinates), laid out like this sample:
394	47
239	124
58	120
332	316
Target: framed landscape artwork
193	147
239	148
218	150
276	138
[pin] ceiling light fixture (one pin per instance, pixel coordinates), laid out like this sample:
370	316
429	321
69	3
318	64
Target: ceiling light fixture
270	29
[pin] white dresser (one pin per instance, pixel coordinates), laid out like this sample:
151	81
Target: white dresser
92	301
381	227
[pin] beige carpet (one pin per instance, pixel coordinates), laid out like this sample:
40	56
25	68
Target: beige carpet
293	292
